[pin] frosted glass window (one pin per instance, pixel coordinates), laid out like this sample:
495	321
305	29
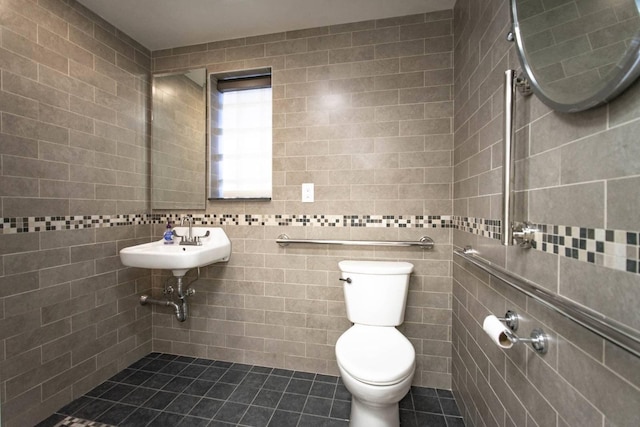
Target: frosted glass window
241	145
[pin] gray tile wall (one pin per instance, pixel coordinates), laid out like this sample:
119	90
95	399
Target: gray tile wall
73	136
364	111
575	170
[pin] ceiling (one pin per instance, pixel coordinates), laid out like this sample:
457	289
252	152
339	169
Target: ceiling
163	24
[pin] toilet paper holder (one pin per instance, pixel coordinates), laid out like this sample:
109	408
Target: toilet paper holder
538	339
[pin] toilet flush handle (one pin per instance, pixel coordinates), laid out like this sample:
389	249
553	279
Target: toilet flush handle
348	279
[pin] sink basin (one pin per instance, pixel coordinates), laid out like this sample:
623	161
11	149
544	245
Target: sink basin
180	258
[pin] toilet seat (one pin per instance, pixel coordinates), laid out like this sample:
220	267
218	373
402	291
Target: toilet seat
376	355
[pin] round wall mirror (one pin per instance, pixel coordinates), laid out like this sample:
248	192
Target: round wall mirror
577	54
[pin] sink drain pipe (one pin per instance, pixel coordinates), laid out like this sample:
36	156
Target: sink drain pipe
181	309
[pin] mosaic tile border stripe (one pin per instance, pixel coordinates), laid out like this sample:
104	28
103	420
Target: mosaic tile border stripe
616	249
36	224
373	221
480	226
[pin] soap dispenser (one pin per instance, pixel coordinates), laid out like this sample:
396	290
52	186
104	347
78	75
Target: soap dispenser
168	234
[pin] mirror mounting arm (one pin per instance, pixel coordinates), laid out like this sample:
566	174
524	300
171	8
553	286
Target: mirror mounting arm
521	82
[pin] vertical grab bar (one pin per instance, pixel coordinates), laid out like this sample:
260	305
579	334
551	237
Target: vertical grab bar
507	165
522	233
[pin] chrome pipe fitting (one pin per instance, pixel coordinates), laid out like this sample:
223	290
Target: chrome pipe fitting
181	308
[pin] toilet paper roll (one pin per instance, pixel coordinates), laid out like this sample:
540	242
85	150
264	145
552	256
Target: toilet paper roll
496	331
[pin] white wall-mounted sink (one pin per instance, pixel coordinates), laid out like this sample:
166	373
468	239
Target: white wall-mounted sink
180	258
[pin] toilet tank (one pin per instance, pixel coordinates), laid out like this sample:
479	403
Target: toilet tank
377	292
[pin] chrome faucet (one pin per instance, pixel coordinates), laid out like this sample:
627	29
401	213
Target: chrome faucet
190	239
190	221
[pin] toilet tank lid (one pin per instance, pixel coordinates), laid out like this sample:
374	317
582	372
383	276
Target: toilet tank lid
375	267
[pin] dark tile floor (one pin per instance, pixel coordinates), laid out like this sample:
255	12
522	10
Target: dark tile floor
167	390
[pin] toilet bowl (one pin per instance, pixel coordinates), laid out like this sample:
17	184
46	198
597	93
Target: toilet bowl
376	362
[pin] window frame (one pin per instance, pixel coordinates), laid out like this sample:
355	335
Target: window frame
234	81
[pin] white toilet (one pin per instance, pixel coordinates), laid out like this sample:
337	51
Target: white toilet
375	360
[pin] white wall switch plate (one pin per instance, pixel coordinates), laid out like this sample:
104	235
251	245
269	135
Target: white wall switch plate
307	193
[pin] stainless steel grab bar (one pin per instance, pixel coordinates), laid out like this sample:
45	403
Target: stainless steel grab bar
424	242
521	232
611	330
507	160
